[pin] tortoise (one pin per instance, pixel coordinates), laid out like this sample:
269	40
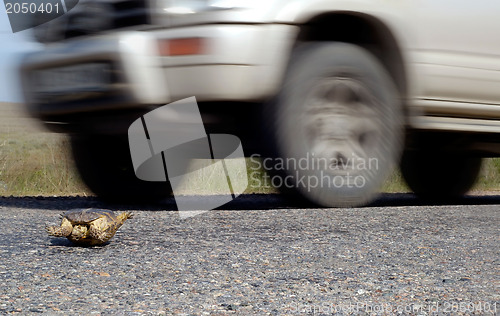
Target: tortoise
89	226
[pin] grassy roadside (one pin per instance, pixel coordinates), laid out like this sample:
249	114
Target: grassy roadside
40	164
37	164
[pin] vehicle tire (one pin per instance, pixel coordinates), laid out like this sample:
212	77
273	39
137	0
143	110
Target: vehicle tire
438	176
105	165
340	113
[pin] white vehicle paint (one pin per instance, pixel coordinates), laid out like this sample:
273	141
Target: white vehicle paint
443	56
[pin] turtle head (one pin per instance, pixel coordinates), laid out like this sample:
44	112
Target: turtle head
79	232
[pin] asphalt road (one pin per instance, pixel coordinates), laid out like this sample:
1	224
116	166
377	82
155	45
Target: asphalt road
257	256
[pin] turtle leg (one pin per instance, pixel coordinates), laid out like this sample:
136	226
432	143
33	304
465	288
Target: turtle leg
100	235
60	231
104	229
122	217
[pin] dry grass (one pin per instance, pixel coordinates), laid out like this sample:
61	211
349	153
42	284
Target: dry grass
34	162
41	164
37	164
489	178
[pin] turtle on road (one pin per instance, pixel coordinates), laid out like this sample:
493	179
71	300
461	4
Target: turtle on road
89	226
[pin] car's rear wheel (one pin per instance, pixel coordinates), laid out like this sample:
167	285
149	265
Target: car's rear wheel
439	176
336	127
105	165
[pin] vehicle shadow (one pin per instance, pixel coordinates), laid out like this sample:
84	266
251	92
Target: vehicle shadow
241	203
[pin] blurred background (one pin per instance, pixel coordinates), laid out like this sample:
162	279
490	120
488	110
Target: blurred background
32	160
36	162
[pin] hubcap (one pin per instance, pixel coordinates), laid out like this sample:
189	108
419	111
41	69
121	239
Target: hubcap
341	124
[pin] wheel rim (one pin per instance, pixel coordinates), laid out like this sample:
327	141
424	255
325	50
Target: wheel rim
342	125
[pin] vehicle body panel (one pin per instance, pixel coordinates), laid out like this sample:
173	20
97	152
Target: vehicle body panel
450	56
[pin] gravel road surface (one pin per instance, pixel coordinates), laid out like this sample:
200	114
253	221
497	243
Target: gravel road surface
257	256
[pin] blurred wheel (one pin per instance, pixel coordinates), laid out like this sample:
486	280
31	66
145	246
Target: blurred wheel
439	176
105	165
336	126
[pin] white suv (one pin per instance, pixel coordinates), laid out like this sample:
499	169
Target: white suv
348	88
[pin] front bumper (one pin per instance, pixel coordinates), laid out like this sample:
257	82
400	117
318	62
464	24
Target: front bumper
239	63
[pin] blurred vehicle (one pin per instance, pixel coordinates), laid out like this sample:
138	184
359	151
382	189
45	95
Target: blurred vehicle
333	93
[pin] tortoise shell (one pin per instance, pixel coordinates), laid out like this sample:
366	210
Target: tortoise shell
89	226
86	216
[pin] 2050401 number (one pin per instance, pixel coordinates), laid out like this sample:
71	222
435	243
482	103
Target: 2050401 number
31	7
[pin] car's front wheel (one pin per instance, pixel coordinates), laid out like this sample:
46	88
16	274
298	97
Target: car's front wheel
105	165
336	127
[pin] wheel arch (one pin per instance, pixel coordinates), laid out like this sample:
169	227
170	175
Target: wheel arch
360	29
